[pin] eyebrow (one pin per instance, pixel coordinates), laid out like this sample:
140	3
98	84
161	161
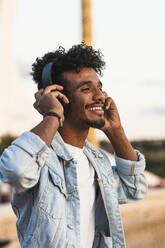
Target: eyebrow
87	82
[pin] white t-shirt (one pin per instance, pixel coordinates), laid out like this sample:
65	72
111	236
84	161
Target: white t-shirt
86	187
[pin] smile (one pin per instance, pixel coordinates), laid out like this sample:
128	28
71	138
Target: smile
98	110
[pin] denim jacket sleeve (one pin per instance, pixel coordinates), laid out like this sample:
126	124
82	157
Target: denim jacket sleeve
20	163
130	178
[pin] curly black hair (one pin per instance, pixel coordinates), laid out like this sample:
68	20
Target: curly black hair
76	58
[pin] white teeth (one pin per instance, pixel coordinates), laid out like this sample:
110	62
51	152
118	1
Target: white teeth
95	108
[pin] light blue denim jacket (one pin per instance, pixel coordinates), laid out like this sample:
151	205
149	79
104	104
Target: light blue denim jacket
45	192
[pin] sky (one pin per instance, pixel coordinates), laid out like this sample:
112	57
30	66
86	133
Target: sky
131	35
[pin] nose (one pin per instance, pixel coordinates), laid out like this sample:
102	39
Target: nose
98	95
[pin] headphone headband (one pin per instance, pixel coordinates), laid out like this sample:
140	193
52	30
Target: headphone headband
47	74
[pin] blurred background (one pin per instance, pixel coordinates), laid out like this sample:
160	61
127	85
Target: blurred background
131	35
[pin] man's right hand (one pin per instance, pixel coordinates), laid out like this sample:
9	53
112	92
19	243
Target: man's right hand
47	100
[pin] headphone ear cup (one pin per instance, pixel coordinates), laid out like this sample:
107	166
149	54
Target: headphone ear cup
47	80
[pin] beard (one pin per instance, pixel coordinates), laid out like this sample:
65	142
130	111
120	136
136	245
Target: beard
96	124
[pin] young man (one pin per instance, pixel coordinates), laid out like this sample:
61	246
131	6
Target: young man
65	192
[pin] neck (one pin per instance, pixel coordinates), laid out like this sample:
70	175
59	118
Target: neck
73	135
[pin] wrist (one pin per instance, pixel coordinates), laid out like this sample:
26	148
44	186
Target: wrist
56	110
111	131
54	114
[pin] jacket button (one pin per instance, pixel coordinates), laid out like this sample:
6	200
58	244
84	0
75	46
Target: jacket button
70	226
57	180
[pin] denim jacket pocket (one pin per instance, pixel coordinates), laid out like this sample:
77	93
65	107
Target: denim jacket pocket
52	201
58	182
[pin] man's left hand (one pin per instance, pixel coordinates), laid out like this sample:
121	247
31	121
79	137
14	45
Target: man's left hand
115	132
111	115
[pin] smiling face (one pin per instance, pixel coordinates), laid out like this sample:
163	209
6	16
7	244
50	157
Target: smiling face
86	99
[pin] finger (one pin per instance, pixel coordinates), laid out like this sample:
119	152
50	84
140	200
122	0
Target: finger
105	94
61	96
106	97
35	105
52	87
108	102
38	93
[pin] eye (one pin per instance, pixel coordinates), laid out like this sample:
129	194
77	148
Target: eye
86	89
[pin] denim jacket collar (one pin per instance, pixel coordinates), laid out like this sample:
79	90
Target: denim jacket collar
59	147
61	150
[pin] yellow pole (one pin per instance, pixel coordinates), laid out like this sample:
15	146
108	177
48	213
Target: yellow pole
86	22
87	38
